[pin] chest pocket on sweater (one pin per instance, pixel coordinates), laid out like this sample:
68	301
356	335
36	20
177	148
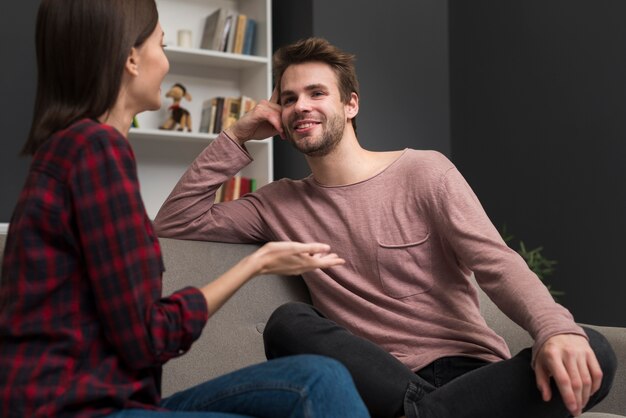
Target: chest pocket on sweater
404	262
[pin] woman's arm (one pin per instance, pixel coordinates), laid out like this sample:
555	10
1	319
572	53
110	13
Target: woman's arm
288	258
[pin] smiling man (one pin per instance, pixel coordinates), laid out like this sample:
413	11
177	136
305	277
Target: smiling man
401	313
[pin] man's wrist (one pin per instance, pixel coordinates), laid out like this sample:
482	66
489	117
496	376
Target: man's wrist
231	135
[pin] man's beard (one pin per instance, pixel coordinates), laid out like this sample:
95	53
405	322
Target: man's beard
322	145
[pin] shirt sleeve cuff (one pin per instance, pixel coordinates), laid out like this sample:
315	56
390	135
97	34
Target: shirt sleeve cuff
240	146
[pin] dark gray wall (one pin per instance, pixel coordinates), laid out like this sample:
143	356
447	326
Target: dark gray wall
402	65
17	84
538	95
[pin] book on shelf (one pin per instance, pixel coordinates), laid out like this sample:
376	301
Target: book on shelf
229	188
249	37
231	32
216	29
234	188
244	35
210	29
230	113
219	194
246	105
226	30
220	113
239	33
205	116
212	115
228	24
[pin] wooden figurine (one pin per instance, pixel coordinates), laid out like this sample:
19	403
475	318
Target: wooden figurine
179	116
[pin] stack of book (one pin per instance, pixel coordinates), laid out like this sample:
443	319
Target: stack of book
234	188
228	31
220	113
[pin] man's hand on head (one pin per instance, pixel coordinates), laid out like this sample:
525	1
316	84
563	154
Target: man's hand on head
570	361
263	121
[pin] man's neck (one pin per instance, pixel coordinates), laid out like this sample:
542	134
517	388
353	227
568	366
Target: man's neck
348	163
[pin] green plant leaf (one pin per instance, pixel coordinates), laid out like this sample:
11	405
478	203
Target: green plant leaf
536	261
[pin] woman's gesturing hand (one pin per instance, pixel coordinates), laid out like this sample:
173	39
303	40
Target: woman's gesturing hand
287	258
293	258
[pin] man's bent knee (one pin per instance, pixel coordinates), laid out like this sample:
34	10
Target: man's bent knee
282	327
607	360
286	317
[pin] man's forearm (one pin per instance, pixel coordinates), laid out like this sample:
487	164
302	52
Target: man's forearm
194	194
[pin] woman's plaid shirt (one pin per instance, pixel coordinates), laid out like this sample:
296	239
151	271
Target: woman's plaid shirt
84	329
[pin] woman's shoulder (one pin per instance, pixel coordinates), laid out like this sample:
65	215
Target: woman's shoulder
59	154
85	136
86	131
80	133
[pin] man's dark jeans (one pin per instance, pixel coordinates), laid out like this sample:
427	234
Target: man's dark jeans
451	387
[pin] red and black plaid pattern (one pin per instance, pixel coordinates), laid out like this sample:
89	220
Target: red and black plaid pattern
84	329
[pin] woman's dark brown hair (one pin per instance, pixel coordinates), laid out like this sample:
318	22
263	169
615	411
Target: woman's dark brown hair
82	47
320	50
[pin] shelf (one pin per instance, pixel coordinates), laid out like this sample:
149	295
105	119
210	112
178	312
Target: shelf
163	156
209	58
160	134
143	134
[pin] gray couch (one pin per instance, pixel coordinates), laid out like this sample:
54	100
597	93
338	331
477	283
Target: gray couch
232	338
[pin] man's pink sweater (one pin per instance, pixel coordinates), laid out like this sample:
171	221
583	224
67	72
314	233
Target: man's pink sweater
411	236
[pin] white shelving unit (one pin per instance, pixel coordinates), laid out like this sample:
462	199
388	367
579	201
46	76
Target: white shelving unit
163	156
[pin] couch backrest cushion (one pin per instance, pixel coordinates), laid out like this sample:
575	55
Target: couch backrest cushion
514	335
232	338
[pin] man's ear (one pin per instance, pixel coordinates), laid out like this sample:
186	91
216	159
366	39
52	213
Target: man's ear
132	62
352	107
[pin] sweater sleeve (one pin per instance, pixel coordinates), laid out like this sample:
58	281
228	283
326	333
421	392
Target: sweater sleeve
123	261
189	211
499	270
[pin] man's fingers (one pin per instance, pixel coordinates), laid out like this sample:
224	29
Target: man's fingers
263	121
543	383
570	395
595	371
278	124
585	379
575	382
570	361
270	111
274	98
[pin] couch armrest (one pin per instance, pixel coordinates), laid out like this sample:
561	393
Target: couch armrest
615	403
517	339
